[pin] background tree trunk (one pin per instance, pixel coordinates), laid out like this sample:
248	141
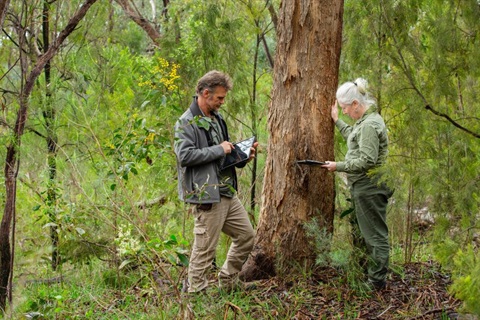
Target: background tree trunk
3	10
49	115
300	127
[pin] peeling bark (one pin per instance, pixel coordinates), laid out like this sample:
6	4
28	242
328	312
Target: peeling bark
300	127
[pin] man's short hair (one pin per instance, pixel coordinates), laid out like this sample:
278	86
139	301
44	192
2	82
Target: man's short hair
213	79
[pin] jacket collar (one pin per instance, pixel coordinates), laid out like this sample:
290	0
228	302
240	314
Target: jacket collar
368	112
195	108
196	111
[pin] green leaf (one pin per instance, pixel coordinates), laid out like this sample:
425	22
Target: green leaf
171	258
183	259
203	122
346	212
144	104
124	263
50	224
180	250
154	243
168	243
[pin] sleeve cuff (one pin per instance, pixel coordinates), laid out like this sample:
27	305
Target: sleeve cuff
340	124
340	166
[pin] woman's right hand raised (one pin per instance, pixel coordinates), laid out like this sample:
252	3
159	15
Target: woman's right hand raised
334	111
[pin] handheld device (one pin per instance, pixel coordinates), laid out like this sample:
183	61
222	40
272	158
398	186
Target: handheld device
311	162
240	153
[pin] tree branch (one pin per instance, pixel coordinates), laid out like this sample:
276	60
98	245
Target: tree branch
409	74
273	13
446	116
140	20
267	50
151	203
72	24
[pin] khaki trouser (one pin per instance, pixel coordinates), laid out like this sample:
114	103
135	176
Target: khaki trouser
370	202
230	217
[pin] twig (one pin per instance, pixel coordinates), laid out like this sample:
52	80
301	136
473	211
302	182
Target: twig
431	311
384	311
234	308
150	203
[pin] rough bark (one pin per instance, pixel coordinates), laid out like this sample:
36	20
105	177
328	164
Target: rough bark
309	36
12	161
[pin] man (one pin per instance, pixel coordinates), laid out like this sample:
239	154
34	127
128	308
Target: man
201	145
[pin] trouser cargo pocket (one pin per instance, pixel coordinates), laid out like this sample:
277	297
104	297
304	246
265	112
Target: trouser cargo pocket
201	237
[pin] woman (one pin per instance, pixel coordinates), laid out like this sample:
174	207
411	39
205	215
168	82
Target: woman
367	149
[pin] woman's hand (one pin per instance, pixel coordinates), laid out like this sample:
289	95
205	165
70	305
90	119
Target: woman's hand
334	111
330	165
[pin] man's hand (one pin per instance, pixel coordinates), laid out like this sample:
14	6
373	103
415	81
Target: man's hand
253	151
227	147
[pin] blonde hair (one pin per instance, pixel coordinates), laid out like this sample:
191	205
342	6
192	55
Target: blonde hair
355	91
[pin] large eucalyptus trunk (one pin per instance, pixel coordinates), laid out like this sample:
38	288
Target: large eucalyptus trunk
300	127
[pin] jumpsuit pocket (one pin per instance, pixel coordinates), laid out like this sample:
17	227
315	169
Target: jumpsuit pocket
201	237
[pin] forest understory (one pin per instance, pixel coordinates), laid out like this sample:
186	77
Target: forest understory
420	292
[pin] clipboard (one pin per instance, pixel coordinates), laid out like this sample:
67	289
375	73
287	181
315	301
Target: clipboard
311	162
240	153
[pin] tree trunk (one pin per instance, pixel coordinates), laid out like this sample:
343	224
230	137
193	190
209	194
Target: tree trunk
300	127
5	251
3	11
49	117
253	113
12	159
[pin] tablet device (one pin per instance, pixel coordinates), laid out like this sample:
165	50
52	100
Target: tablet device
311	162
240	153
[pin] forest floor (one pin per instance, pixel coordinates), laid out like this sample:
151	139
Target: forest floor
414	291
420	292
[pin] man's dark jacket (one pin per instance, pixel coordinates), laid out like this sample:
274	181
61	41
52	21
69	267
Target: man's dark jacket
198	159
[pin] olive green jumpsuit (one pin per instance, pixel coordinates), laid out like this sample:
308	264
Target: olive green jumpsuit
367	143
